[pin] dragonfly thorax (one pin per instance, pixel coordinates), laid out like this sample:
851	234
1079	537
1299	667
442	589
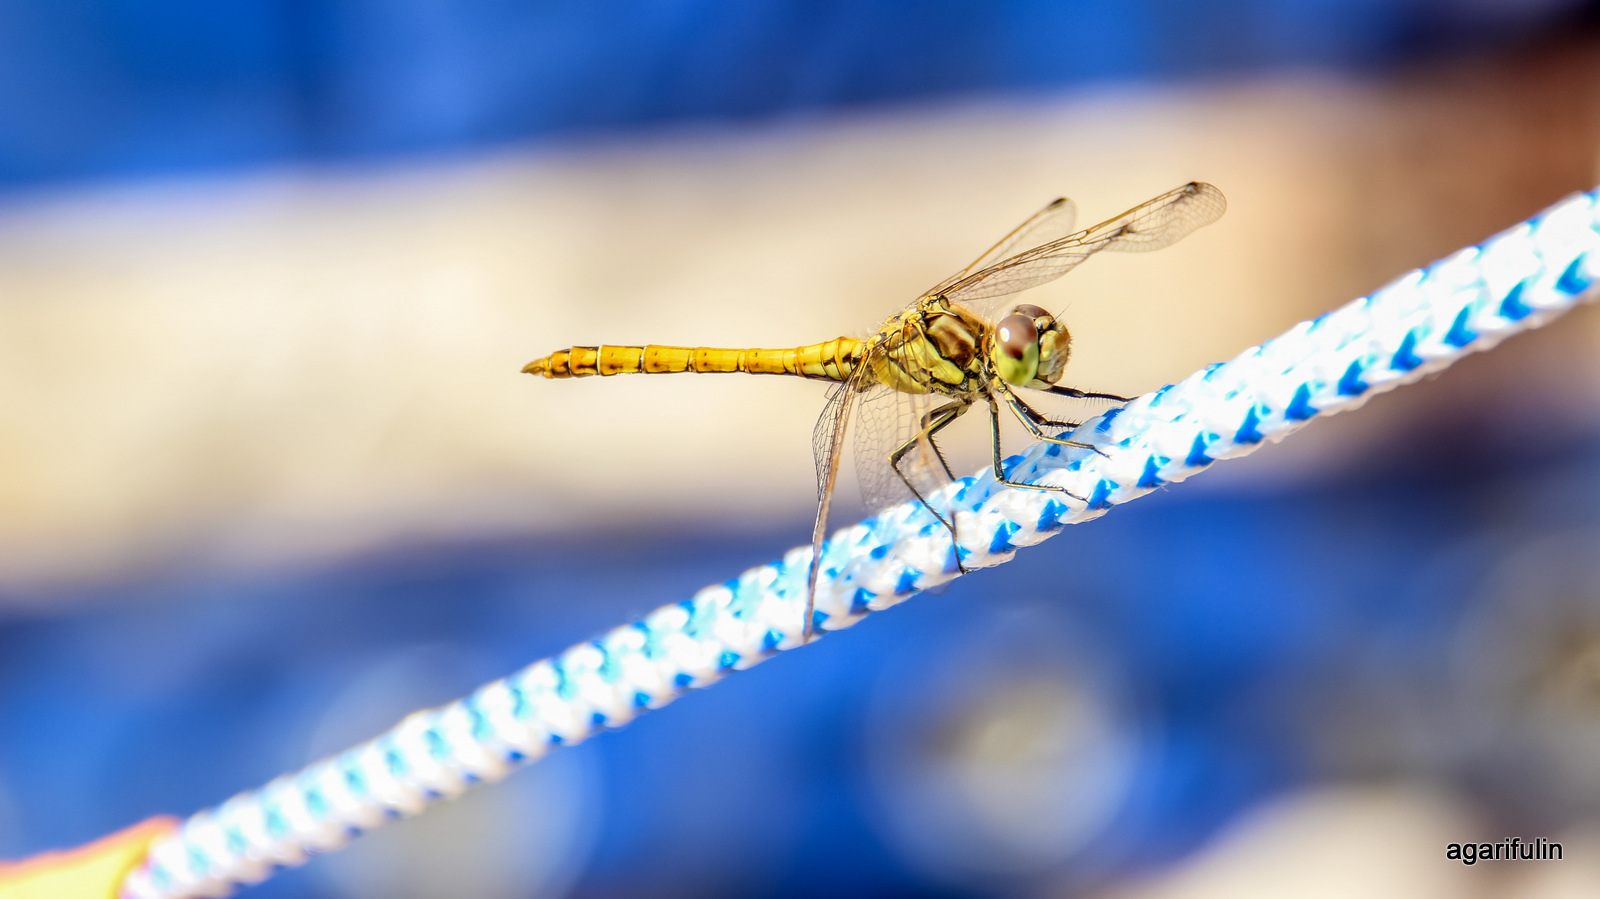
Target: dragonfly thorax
932	347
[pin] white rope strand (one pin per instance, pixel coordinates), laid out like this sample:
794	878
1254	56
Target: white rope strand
1419	324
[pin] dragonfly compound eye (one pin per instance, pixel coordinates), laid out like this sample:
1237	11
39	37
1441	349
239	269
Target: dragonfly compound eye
1055	345
1016	348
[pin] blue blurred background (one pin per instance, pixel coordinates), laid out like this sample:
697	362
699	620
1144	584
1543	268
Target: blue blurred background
125	89
269	479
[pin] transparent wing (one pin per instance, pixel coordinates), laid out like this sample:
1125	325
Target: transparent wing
1151	225
1053	222
885	420
882	420
827	438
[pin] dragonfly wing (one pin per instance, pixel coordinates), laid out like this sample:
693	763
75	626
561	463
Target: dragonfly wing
827	438
1053	222
828	435
885	421
1151	225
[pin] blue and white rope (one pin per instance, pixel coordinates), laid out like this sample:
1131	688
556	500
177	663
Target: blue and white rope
1419	324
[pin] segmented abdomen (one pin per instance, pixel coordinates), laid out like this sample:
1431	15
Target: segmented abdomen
831	360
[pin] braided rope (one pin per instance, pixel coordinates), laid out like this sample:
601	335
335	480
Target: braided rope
1417	325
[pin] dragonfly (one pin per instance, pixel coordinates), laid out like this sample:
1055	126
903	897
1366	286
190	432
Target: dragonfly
947	351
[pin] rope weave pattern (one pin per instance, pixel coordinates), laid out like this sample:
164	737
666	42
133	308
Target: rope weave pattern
1417	325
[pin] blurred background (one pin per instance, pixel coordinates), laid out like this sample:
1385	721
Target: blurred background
269	477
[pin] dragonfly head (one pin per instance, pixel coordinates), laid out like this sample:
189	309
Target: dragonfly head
1030	347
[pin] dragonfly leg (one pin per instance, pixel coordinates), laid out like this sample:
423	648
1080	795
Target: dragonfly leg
999	457
1037	417
1075	393
1036	422
932	423
927	418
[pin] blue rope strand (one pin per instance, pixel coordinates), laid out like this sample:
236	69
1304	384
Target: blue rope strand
1417	325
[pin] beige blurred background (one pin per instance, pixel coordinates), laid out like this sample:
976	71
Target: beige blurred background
292	365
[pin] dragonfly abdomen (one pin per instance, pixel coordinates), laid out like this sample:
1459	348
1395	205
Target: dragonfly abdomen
831	360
